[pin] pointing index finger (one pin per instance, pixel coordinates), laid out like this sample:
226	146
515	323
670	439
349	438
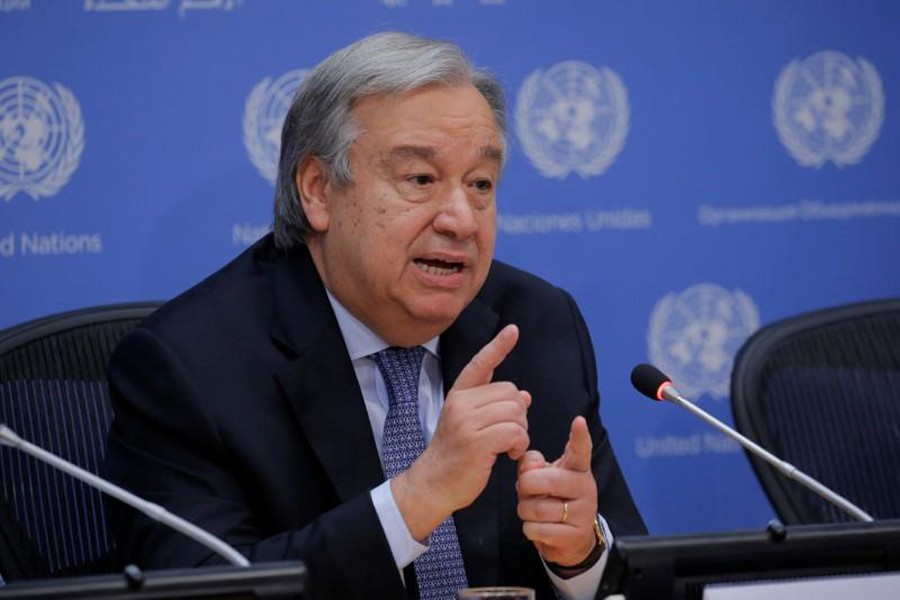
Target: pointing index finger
577	456
480	370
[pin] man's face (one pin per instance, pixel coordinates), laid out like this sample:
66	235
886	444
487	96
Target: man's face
408	244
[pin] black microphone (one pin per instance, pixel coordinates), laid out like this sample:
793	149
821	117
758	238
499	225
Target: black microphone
156	512
650	381
654	384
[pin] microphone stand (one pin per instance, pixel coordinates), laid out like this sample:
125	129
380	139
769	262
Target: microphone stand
671	394
156	512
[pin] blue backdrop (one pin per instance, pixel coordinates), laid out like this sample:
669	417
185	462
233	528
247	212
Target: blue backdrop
688	170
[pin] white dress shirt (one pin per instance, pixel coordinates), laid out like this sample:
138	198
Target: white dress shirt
362	342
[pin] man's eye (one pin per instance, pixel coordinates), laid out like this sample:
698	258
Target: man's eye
484	185
421	179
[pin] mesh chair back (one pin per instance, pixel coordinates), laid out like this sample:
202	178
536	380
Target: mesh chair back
53	393
822	391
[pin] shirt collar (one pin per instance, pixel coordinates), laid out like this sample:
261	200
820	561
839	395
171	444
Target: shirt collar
359	339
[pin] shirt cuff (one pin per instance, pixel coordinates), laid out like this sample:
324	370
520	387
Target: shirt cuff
403	547
585	585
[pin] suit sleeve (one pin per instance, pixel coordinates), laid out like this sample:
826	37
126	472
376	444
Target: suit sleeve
614	499
165	446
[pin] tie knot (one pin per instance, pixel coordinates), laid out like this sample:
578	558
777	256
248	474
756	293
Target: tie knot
400	368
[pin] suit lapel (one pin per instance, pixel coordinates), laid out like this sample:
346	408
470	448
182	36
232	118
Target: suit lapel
320	382
478	525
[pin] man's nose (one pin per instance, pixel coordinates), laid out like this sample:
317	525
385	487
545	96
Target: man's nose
456	215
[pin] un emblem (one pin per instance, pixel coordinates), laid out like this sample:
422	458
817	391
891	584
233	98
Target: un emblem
41	137
264	113
828	107
572	118
694	336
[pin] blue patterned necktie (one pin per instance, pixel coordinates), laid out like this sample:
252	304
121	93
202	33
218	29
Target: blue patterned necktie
440	571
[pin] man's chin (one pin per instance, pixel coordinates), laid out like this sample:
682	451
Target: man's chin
436	315
440	317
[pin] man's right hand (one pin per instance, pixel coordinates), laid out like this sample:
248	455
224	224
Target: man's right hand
480	420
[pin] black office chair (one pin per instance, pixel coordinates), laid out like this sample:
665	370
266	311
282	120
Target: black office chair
822	391
53	393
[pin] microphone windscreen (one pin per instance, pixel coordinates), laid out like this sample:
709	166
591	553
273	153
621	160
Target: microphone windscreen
647	379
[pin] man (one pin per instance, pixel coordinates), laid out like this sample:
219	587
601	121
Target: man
350	391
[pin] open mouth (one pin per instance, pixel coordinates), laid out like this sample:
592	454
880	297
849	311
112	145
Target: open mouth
434	266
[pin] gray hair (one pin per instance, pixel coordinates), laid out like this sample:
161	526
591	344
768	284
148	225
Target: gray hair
319	122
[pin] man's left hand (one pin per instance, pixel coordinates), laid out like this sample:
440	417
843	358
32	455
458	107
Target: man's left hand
558	501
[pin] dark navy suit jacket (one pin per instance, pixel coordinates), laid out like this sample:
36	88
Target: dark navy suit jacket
237	407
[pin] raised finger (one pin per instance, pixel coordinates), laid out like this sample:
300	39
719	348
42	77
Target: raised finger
577	456
480	369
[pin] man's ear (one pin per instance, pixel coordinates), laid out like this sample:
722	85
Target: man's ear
312	187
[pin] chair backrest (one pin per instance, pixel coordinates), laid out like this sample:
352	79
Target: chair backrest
54	393
822	391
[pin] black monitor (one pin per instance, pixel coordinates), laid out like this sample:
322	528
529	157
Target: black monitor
261	581
679	567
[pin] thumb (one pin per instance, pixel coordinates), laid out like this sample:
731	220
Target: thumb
532	459
577	456
480	370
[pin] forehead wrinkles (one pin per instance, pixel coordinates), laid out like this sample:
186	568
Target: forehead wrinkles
429	153
424	123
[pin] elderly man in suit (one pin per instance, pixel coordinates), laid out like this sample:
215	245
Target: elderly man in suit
367	389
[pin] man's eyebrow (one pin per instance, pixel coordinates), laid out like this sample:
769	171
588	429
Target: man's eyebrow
410	151
492	152
427	152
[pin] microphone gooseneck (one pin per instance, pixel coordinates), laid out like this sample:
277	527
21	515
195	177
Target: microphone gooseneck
654	384
156	512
